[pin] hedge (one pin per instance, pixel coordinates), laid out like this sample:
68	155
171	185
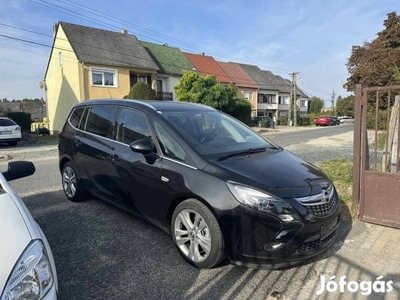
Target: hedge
23	119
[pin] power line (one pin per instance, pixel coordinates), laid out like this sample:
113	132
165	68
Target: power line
114	19
94	47
314	87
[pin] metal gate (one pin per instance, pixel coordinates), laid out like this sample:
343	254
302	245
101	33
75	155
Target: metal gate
376	177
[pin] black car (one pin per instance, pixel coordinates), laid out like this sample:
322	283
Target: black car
220	189
335	121
255	121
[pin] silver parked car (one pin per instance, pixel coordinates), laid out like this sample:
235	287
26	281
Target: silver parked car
346	119
27	269
10	132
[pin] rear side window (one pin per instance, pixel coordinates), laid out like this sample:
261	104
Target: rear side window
132	126
7	122
101	120
76	116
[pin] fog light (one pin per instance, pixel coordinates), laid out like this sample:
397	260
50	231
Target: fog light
270	247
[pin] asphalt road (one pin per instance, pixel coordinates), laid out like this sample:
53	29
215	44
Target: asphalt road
286	138
104	253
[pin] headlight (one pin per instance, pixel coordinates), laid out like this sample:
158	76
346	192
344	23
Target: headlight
32	276
263	201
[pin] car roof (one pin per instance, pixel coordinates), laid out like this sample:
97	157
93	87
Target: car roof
148	104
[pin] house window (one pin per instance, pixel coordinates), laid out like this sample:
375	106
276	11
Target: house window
145	79
283	100
104	77
266	98
247	95
302	102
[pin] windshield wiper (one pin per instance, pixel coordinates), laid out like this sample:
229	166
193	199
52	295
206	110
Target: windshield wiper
242	153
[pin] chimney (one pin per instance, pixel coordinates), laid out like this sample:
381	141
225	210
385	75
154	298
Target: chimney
124	31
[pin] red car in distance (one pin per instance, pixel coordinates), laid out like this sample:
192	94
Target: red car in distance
323	121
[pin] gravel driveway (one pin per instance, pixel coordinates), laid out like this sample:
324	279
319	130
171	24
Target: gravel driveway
326	148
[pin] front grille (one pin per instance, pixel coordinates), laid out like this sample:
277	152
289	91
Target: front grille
322	204
310	247
323	209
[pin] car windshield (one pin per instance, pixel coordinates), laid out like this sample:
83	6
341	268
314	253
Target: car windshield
215	135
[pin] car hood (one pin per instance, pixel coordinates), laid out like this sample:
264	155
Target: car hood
14	236
276	171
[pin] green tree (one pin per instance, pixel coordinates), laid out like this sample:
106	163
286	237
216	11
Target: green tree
345	106
377	63
315	105
142	91
205	89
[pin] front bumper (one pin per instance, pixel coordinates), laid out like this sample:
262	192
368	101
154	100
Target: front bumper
250	241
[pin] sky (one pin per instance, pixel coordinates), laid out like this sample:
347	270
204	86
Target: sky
283	36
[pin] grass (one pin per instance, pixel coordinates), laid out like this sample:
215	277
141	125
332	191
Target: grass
381	140
341	173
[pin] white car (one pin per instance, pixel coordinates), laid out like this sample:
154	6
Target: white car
10	132
27	269
346	119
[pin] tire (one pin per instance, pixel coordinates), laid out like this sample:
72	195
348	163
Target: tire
71	183
196	234
14	143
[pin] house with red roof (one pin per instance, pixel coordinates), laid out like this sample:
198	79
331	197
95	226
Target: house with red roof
247	88
207	65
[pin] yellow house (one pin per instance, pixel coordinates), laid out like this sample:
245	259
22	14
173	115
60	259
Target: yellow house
89	63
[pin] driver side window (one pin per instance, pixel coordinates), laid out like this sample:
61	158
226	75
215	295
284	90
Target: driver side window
132	126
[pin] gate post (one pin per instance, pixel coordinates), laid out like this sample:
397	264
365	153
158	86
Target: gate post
357	153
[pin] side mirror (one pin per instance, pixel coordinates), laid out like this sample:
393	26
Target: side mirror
145	147
19	169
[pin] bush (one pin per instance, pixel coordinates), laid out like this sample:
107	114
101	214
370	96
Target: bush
142	91
282	121
242	111
301	120
263	123
23	119
304	121
382	119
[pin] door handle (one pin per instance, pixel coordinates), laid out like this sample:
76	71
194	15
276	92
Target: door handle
77	143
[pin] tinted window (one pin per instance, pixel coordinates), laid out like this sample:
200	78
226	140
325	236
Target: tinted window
132	126
7	122
76	116
168	144
101	120
83	119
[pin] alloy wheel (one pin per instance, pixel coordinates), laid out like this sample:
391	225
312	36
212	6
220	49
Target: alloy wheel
192	235
69	181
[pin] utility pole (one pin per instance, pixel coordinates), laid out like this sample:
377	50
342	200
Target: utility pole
333	101
293	100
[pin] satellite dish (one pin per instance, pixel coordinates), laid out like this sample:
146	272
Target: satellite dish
41	84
